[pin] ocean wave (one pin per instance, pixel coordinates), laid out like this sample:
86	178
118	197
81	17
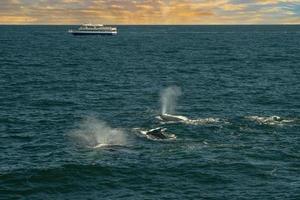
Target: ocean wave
270	120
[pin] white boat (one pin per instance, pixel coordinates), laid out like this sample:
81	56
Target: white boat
94	29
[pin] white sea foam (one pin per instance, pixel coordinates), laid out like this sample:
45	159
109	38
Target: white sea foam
96	134
271	120
203	121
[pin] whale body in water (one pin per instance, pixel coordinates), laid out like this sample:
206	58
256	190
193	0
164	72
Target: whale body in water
157	133
174	118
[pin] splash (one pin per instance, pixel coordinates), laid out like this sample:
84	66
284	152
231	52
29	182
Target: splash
95	134
203	121
168	99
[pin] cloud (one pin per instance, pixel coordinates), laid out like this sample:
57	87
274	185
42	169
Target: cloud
149	11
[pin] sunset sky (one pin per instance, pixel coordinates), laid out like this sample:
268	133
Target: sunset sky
150	11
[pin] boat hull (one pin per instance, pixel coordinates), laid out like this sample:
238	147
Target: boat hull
94	33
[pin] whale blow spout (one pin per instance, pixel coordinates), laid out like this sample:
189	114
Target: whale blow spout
168	98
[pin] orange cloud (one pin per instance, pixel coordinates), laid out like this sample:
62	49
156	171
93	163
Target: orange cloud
145	12
16	19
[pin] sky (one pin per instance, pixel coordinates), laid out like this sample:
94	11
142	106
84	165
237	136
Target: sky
150	11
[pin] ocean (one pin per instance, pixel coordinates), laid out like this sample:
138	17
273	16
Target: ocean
75	113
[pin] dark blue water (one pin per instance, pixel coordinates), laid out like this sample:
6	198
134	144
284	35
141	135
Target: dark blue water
61	95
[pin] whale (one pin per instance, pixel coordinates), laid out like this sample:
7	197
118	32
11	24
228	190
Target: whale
174	118
157	133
